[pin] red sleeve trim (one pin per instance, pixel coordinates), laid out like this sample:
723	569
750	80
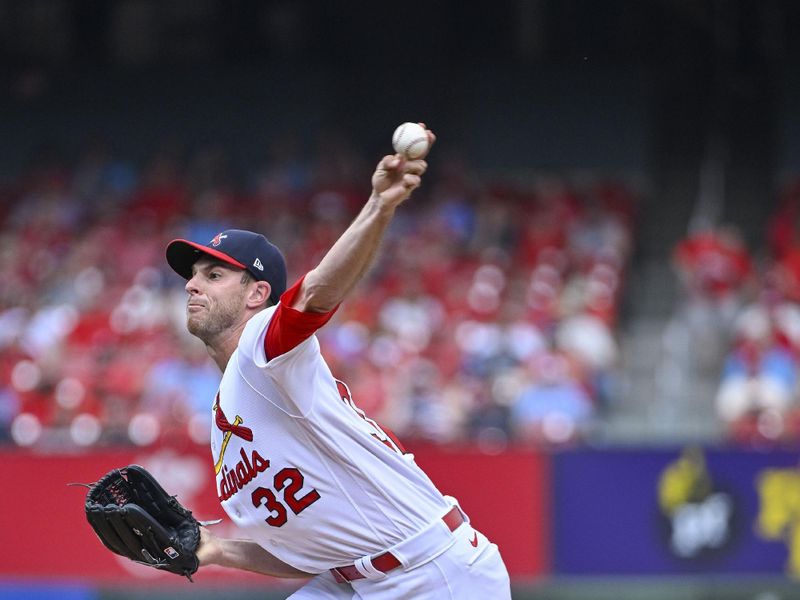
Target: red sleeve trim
290	327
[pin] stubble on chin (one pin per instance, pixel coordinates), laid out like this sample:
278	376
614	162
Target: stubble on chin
206	328
211	323
195	327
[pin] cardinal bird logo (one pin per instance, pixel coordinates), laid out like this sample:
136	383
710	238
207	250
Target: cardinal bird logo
228	429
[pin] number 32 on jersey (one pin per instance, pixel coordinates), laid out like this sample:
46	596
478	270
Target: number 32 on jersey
290	481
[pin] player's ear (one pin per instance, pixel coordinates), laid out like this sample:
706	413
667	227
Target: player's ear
258	294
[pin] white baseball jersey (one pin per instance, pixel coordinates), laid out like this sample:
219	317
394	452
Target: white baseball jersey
300	469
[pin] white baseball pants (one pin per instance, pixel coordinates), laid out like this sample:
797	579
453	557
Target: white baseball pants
462	572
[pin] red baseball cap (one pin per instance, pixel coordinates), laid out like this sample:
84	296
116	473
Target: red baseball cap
243	249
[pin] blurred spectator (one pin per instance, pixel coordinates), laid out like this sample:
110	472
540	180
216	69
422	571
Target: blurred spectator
714	265
759	379
785	274
783	230
590	341
716	272
553	407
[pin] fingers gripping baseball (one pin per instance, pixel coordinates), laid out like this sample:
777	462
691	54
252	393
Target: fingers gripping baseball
396	177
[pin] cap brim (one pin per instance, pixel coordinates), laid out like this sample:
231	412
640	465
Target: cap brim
182	254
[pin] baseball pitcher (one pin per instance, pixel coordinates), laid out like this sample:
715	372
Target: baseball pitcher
318	488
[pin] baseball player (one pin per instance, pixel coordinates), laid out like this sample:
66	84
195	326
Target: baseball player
318	487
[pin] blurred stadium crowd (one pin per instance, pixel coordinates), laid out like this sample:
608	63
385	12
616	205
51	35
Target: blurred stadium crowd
743	306
491	316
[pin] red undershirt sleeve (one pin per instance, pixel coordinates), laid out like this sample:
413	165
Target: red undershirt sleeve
289	327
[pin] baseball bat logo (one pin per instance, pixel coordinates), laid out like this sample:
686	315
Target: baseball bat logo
228	429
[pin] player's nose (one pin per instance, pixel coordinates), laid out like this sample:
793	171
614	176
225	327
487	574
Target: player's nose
191	286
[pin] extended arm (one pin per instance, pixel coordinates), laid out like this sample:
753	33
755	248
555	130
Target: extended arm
354	252
245	555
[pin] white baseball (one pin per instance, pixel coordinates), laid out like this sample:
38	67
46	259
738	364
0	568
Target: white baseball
411	140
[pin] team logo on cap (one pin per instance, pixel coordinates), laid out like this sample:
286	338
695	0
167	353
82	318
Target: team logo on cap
218	239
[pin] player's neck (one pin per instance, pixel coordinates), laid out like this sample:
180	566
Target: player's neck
222	347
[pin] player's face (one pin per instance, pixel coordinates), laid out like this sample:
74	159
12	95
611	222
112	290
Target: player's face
216	299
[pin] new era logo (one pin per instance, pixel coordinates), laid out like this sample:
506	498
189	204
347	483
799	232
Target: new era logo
257	264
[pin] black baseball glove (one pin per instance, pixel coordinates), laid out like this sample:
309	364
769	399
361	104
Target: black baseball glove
134	517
